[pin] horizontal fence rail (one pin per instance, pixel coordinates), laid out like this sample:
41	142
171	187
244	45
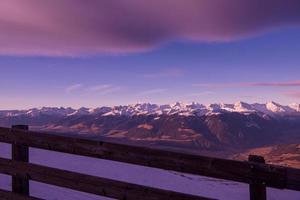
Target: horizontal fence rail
258	175
88	183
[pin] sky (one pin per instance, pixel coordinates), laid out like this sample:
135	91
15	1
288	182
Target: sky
95	53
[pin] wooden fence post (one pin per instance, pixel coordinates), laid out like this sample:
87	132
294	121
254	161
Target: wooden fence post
257	190
20	184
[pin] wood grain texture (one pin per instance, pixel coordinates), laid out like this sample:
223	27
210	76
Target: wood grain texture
20	152
258	190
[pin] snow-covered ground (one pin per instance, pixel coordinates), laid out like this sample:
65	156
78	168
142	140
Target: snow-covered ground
169	180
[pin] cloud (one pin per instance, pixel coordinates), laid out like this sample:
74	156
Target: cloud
95	89
153	91
253	84
293	94
76	27
279	84
215	85
109	90
103	89
73	88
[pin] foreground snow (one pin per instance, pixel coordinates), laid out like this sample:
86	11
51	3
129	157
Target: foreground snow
169	180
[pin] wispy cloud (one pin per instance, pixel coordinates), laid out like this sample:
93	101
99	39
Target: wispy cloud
249	84
95	89
153	91
103	89
165	73
73	88
109	90
293	93
278	84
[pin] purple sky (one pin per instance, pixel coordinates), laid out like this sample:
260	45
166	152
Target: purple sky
93	53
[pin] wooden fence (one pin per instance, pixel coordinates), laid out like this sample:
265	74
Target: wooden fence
253	172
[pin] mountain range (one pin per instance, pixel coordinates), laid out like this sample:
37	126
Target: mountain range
218	129
192	109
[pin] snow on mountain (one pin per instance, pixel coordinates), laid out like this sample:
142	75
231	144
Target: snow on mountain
261	108
277	108
80	111
54	111
100	110
61	111
295	107
270	108
9	113
243	107
214	108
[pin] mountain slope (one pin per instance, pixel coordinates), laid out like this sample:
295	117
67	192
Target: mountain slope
217	127
270	108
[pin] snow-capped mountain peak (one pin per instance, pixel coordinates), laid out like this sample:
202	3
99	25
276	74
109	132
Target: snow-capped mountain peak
275	107
243	107
295	107
270	108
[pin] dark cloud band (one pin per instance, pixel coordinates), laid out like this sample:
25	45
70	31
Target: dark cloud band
74	27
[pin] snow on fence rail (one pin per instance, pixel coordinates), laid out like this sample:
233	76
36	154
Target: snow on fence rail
253	172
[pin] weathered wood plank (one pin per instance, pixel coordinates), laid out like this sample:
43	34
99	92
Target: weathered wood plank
20	152
90	184
7	195
257	189
272	176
